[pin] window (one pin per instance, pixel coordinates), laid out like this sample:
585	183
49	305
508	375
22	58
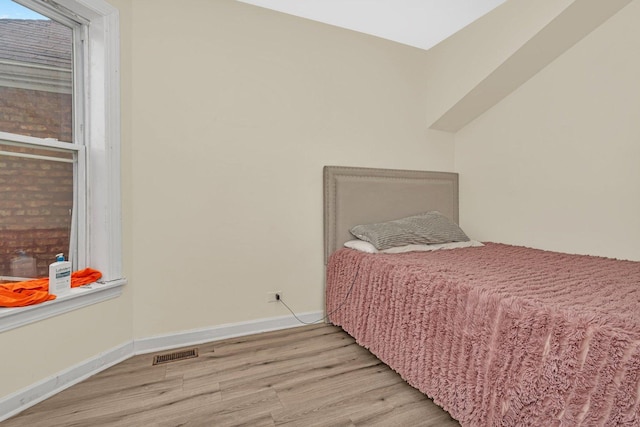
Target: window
59	147
39	182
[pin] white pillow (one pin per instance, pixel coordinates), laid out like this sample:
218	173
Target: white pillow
362	246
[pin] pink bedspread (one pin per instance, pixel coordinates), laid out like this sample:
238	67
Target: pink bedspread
500	335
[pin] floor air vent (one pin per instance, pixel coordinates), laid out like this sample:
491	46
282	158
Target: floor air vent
175	356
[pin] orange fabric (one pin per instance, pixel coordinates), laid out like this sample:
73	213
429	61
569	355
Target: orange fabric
35	291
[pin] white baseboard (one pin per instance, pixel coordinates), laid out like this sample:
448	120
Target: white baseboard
36	393
216	333
19	401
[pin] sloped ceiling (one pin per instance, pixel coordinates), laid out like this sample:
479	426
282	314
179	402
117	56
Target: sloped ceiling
418	23
479	50
480	65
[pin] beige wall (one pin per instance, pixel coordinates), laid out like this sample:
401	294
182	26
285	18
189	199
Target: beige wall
556	164
236	109
43	349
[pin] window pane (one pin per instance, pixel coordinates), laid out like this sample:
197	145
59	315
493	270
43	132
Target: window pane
35	75
36	199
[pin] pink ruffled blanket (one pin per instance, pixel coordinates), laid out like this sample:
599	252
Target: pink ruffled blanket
500	335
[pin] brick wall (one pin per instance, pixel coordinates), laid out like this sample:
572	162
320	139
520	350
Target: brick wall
39	246
36	113
36	196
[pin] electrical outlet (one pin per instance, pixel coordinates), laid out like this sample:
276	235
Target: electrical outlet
271	296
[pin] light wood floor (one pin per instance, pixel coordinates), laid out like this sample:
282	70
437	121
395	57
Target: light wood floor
309	376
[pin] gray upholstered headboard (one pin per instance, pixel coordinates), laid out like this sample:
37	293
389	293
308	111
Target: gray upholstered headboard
355	196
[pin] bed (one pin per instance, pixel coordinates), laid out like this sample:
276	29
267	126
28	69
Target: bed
496	335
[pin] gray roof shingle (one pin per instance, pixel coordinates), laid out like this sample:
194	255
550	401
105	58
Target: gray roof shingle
35	41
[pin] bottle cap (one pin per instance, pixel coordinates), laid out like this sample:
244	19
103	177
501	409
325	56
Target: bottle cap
60	257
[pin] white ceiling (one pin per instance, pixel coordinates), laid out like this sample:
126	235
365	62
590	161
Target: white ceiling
419	23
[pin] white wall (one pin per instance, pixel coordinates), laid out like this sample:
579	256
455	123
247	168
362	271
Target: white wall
556	164
236	109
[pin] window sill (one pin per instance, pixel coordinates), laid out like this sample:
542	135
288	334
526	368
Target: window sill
11	318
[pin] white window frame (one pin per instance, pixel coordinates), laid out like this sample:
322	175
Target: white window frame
102	237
